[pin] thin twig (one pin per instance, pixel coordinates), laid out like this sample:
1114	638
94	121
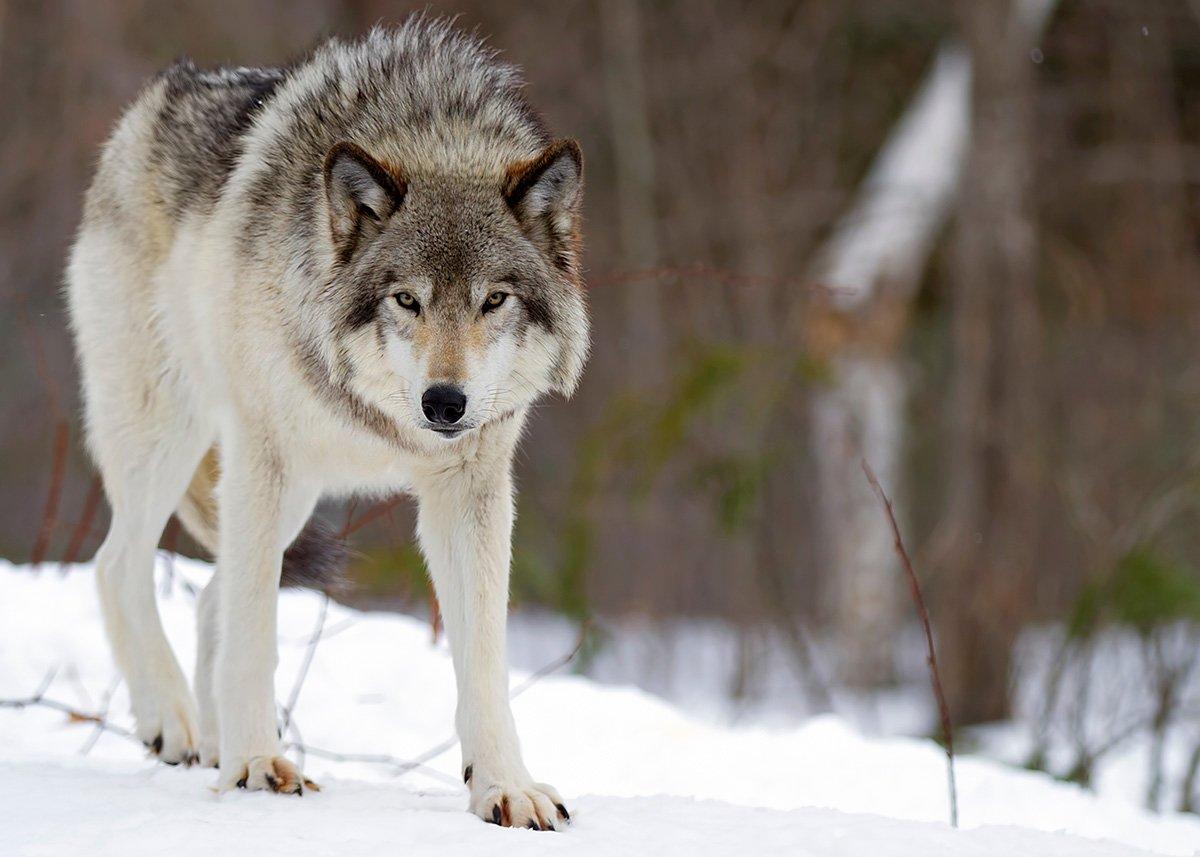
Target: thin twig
377	511
102	716
435	618
40	365
931	654
51	674
351	511
170	538
298	745
309	653
84	526
58	467
38	699
332	631
1187	792
402	766
73	713
585	628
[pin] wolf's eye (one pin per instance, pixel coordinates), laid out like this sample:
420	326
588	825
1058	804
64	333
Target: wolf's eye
494	300
406	300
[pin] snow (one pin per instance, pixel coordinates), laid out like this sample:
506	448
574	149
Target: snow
639	776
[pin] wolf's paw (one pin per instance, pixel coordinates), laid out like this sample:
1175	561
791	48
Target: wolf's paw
210	756
267	773
168	729
533	805
172	752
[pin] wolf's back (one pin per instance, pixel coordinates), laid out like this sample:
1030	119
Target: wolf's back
199	129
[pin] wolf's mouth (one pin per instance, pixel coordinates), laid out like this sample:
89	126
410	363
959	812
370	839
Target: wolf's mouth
452	431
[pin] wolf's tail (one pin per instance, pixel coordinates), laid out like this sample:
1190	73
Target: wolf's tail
315	560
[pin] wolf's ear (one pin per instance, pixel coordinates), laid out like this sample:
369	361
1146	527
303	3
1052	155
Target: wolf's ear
545	193
362	195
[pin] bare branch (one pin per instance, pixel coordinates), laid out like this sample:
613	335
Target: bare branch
585	628
58	467
308	659
73	714
102	716
377	511
931	654
401	766
84	526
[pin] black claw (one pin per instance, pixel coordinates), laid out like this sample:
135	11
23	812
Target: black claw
533	825
171	762
272	782
562	810
156	745
467	774
496	814
241	784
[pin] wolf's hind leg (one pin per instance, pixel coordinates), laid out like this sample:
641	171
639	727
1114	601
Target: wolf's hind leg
143	491
206	654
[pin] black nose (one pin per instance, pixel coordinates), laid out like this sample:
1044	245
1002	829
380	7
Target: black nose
443	404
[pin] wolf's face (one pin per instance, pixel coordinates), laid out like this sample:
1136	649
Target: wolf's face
457	301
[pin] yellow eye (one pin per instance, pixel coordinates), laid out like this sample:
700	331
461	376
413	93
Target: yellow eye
494	300
406	300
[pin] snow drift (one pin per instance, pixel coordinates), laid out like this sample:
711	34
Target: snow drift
639	776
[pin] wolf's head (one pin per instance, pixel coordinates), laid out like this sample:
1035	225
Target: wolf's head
458	299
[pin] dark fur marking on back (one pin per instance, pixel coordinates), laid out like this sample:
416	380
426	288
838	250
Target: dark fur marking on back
198	132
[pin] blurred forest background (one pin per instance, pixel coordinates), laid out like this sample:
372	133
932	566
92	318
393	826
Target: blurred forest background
958	239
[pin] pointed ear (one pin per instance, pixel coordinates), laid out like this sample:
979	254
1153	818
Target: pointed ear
361	194
545	193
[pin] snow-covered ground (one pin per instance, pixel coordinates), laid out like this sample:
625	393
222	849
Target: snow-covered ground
638	775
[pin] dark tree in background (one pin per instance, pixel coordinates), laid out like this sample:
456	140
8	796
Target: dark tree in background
993	468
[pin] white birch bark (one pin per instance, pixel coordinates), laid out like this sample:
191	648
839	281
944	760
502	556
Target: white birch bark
872	266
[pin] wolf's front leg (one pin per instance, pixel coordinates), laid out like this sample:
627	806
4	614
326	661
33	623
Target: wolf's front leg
465	527
258	513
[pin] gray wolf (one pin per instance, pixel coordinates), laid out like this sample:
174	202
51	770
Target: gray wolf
354	274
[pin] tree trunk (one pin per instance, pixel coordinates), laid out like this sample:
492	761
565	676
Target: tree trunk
871	268
994	493
621	33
